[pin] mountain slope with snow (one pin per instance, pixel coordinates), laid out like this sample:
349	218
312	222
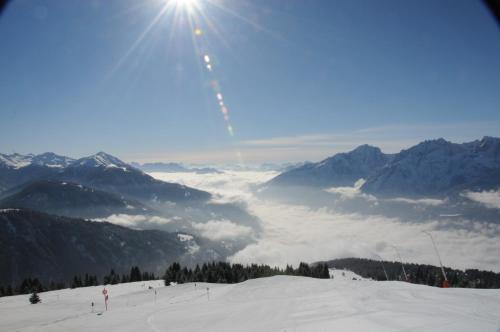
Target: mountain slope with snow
15	160
343	169
438	167
108	173
281	303
51	159
100	171
48	159
433	168
100	159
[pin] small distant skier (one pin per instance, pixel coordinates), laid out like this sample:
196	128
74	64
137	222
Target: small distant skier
92	306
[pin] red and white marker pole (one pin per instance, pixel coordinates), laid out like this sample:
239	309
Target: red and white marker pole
105	293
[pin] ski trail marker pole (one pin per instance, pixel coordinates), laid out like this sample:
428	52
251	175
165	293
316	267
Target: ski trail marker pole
105	293
445	282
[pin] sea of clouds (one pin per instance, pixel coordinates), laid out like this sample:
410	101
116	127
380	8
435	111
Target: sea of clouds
294	233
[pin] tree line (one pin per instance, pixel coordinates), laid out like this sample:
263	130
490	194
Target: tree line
32	285
417	273
223	272
220	272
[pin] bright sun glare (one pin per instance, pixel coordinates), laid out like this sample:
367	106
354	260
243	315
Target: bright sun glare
186	4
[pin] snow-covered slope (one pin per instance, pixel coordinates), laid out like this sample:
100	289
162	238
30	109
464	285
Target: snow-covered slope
280	303
339	274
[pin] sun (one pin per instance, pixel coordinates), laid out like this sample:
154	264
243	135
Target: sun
188	5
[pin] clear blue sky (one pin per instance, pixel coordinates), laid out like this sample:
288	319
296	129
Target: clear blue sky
301	79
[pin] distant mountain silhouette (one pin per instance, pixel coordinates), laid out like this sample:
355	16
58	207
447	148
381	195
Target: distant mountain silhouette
56	248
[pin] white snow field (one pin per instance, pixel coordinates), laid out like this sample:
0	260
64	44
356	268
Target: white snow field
281	303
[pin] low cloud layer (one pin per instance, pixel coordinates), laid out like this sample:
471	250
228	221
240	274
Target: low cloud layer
294	233
352	192
356	192
136	221
222	230
490	199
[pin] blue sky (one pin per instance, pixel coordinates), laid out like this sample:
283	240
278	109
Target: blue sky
301	80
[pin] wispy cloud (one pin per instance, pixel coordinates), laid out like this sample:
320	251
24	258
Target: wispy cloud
490	199
135	221
317	146
352	192
420	201
391	138
331	142
356	192
218	230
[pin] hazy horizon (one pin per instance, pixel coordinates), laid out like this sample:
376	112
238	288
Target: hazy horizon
220	158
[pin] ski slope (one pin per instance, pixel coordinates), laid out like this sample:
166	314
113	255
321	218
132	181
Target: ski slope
281	303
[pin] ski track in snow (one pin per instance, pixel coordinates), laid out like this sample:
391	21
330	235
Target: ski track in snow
280	303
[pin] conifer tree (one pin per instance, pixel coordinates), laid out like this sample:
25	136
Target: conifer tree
34	298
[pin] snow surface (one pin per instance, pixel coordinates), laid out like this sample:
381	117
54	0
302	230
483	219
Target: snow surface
281	303
345	275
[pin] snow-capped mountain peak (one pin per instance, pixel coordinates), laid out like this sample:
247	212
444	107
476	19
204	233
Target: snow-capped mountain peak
342	169
100	159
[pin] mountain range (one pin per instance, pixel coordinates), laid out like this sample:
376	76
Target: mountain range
100	171
433	168
41	194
